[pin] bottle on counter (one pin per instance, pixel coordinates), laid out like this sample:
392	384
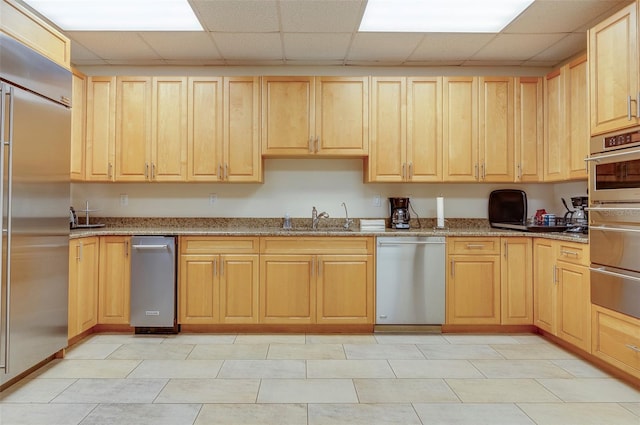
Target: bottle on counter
287	222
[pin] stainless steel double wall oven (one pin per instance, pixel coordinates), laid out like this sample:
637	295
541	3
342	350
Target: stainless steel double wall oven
614	215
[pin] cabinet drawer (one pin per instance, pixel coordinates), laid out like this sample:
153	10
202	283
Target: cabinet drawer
471	246
218	245
573	253
616	339
317	245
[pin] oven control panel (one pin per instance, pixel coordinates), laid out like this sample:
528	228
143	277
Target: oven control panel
621	140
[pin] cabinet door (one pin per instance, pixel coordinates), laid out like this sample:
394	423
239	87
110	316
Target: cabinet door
574	305
517	281
133	128
613	72
342	116
577	119
387	157
473	290
545	285
169	129
495	140
242	158
239	288
204	128
114	288
287	289
424	129
288	114
460	129
74	269
78	125
616	338
345	289
101	124
529	129
555	142
87	286
199	290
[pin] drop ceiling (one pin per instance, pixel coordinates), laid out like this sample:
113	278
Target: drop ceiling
325	33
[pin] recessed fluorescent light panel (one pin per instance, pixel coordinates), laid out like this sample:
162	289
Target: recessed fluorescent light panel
487	16
119	15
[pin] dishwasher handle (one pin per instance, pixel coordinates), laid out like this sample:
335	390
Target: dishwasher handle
150	247
380	243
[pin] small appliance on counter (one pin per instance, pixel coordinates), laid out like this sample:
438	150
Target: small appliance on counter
508	210
399	213
577	220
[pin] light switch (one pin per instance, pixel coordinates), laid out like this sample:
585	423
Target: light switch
376	201
124	200
212	198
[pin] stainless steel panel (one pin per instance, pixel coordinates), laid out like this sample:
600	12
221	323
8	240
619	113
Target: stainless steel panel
153	281
616	289
410	280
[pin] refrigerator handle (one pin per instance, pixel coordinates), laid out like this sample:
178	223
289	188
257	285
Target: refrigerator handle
7	108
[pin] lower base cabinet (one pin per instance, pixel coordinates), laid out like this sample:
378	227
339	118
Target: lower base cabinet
616	339
114	284
83	285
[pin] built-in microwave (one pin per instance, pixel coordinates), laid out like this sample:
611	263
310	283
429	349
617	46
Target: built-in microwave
614	167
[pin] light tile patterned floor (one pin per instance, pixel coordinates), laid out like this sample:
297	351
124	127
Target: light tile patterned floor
319	380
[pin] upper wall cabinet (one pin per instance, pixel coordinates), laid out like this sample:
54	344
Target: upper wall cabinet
20	24
529	129
555	142
577	116
405	141
78	125
460	129
613	72
101	126
325	116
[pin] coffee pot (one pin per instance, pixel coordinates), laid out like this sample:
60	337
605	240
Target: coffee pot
399	213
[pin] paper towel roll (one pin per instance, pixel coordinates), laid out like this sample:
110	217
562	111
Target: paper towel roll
440	211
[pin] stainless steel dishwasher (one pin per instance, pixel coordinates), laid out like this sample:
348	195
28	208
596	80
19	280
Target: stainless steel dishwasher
410	280
153	284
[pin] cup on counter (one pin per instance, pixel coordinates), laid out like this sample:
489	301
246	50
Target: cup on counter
549	220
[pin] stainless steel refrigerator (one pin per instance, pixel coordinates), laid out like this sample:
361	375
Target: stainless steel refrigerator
35	132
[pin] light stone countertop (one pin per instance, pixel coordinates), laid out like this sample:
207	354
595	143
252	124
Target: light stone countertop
272	227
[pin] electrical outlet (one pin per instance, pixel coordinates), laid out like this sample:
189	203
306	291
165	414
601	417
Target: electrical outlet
212	198
124	200
376	201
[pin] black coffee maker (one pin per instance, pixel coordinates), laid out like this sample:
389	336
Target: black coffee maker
399	213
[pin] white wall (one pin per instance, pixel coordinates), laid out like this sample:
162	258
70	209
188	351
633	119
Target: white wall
294	186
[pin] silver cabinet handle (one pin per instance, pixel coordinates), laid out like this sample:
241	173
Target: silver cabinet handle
404	168
629	108
226	171
310	144
215	268
319	268
146	170
506	250
153	171
565	252
126	249
638	105
80	251
110	170
313	265
519	172
410	170
453	268
219	171
475	173
614	274
474	246
633	347
221	267
483	171
555	274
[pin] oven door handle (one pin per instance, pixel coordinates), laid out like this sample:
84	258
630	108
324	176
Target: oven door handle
613	229
613	155
603	270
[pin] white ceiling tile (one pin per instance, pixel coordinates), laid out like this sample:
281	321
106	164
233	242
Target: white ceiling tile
237	16
564	48
315	46
321	15
385	62
182	45
516	46
540	64
380	47
246	46
115	45
556	16
439	63
449	47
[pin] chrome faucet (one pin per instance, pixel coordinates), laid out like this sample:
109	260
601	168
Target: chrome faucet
315	217
347	222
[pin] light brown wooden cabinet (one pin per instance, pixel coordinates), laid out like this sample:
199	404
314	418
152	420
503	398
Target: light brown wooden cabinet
405	141
562	292
555	142
205	129
613	72
100	148
325	116
78	125
529	129
516	281
114	305
473	281
317	280
218	280
616	339
21	24
83	285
